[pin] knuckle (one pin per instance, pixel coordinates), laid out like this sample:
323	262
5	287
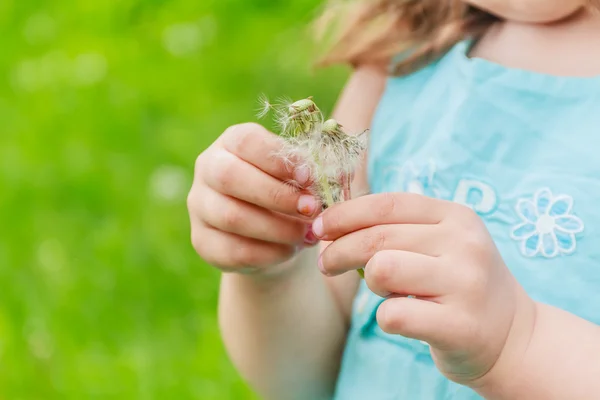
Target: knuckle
198	243
380	269
224	169
282	253
466	216
286	252
388	203
224	261
278	194
290	232
197	200
192	200
240	256
390	320
247	255
205	247
469	230
231	218
473	279
475	243
227	260
250	256
251	127
198	163
374	242
332	220
238	137
331	257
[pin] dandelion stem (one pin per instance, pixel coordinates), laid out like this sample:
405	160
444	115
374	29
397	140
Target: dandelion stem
325	188
326	191
346	184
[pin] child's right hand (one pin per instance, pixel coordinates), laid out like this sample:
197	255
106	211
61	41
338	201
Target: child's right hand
245	216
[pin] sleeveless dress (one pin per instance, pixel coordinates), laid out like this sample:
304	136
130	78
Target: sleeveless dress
523	150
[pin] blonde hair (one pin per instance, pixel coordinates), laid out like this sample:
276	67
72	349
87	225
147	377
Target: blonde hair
418	31
375	31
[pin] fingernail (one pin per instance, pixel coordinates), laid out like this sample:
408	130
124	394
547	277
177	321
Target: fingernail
317	228
321	267
301	175
307	205
310	237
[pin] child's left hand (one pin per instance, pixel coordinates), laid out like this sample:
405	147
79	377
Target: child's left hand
467	304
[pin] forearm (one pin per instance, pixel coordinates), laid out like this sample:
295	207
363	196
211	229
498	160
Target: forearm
562	361
285	335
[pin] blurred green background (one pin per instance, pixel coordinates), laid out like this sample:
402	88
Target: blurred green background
104	106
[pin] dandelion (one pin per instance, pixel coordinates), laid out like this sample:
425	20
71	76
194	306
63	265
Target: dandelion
330	154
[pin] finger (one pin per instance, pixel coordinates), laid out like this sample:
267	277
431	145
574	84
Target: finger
404	273
231	252
236	178
355	249
244	219
261	148
420	319
378	209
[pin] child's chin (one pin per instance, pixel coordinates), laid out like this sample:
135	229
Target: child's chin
549	17
531	11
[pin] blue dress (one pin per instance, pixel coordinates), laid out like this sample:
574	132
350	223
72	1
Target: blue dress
523	150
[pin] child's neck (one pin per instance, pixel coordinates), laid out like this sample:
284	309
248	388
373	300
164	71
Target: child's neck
567	48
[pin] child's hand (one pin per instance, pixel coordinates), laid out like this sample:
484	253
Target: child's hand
244	216
467	301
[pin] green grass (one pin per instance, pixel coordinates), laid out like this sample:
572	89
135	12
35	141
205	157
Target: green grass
104	106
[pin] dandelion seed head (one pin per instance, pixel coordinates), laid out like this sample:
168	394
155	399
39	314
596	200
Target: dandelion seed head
331	125
303	105
321	145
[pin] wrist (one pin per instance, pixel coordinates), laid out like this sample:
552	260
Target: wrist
502	381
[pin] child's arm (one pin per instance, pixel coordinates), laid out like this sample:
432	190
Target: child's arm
562	361
286	334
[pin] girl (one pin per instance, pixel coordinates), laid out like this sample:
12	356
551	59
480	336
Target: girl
479	237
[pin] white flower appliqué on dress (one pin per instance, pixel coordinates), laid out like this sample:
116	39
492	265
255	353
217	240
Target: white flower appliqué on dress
548	226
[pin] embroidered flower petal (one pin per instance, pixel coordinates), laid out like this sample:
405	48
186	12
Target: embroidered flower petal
561	205
543	199
531	246
523	231
549	245
566	242
415	187
569	224
526	209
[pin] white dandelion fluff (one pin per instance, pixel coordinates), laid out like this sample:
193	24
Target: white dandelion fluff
322	146
330	154
264	106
